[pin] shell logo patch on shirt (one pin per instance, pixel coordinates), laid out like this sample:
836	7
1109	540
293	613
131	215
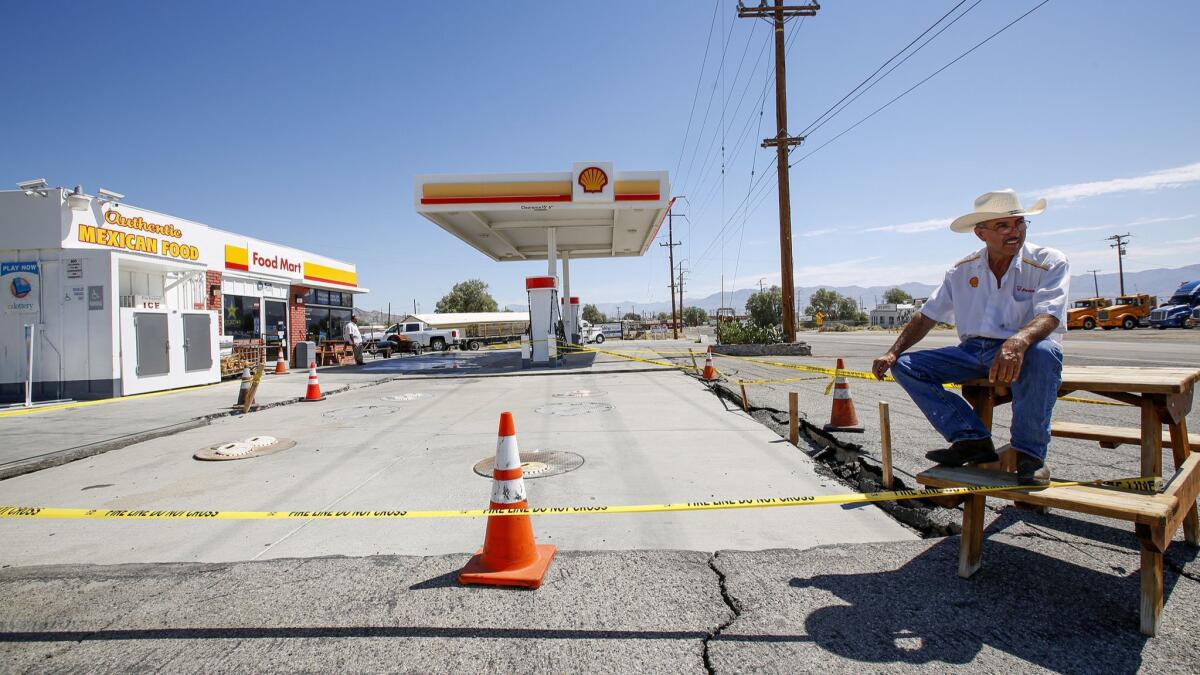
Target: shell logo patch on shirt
974	281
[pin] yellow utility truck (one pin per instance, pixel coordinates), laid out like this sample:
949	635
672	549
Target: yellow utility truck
1083	314
1129	312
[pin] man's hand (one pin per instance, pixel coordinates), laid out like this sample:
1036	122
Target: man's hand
1007	366
883	364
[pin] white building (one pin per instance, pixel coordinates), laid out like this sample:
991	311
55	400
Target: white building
892	315
122	300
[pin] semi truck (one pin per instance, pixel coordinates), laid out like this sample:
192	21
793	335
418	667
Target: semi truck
1083	314
1174	313
1129	312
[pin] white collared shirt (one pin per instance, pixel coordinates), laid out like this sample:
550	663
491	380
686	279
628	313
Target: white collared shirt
1036	283
351	333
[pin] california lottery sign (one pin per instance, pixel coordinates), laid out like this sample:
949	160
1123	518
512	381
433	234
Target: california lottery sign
20	283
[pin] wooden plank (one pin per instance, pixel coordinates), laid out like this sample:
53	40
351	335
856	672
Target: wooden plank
1152	591
794	418
1184	487
1149	509
970	550
1106	434
1151	440
1123	379
885	443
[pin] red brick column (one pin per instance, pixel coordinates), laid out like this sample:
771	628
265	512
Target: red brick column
215	301
297	329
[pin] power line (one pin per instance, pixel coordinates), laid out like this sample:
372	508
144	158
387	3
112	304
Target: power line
699	81
881	67
893	68
910	89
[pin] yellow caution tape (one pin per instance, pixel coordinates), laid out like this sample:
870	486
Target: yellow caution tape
832	373
664	364
1150	484
789	379
861	375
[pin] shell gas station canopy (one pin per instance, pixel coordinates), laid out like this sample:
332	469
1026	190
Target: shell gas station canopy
589	212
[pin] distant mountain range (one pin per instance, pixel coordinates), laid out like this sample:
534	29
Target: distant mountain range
1161	282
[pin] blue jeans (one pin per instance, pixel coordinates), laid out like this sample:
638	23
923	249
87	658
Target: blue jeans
923	373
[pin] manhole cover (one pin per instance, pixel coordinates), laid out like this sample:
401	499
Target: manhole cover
247	448
580	393
573	409
360	411
537	464
408	396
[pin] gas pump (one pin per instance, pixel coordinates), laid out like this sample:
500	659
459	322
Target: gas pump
545	320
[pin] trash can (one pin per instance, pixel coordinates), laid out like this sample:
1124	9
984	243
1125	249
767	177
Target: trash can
306	353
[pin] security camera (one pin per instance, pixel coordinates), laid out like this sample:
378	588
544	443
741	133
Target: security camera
34	187
110	195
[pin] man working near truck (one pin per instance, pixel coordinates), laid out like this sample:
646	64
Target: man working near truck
354	337
1009	304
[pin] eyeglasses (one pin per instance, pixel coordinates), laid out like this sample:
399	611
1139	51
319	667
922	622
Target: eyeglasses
1007	226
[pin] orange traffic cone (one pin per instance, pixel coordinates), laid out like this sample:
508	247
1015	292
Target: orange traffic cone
280	364
710	373
509	556
843	417
313	393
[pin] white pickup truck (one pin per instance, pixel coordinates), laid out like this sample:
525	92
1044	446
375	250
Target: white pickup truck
417	332
590	334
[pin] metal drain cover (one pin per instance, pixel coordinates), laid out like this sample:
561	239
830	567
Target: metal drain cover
247	448
408	396
359	411
580	393
536	464
573	409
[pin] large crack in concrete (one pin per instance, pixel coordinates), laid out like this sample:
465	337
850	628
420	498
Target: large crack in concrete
850	465
734	608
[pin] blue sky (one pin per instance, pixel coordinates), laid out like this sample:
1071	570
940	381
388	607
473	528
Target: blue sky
304	123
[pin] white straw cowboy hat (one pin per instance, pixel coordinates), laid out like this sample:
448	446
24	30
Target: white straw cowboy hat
999	204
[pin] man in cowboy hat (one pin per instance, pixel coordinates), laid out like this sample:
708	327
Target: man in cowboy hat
1009	303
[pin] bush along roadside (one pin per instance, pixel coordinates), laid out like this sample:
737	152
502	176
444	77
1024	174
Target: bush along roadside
738	333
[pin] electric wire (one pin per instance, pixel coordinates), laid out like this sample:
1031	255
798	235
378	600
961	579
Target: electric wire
881	67
893	68
918	84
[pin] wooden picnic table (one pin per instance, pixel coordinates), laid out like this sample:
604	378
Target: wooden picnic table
331	352
1163	396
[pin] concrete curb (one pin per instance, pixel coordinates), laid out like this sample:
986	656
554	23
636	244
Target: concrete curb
60	457
793	349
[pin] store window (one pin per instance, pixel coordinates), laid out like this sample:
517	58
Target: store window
242	317
326	313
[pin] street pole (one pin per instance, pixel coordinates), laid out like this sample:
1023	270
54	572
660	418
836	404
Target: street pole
1095	283
671	244
1120	246
782	142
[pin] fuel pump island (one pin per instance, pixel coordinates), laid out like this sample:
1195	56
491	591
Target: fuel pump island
588	212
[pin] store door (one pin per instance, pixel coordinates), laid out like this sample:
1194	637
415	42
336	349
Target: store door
197	342
275	325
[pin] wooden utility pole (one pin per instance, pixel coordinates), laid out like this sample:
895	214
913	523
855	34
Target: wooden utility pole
1120	246
670	243
681	291
778	15
1095	283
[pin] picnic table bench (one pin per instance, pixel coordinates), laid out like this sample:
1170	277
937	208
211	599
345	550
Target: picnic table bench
331	352
1163	396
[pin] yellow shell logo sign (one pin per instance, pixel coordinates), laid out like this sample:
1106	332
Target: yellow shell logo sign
593	179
